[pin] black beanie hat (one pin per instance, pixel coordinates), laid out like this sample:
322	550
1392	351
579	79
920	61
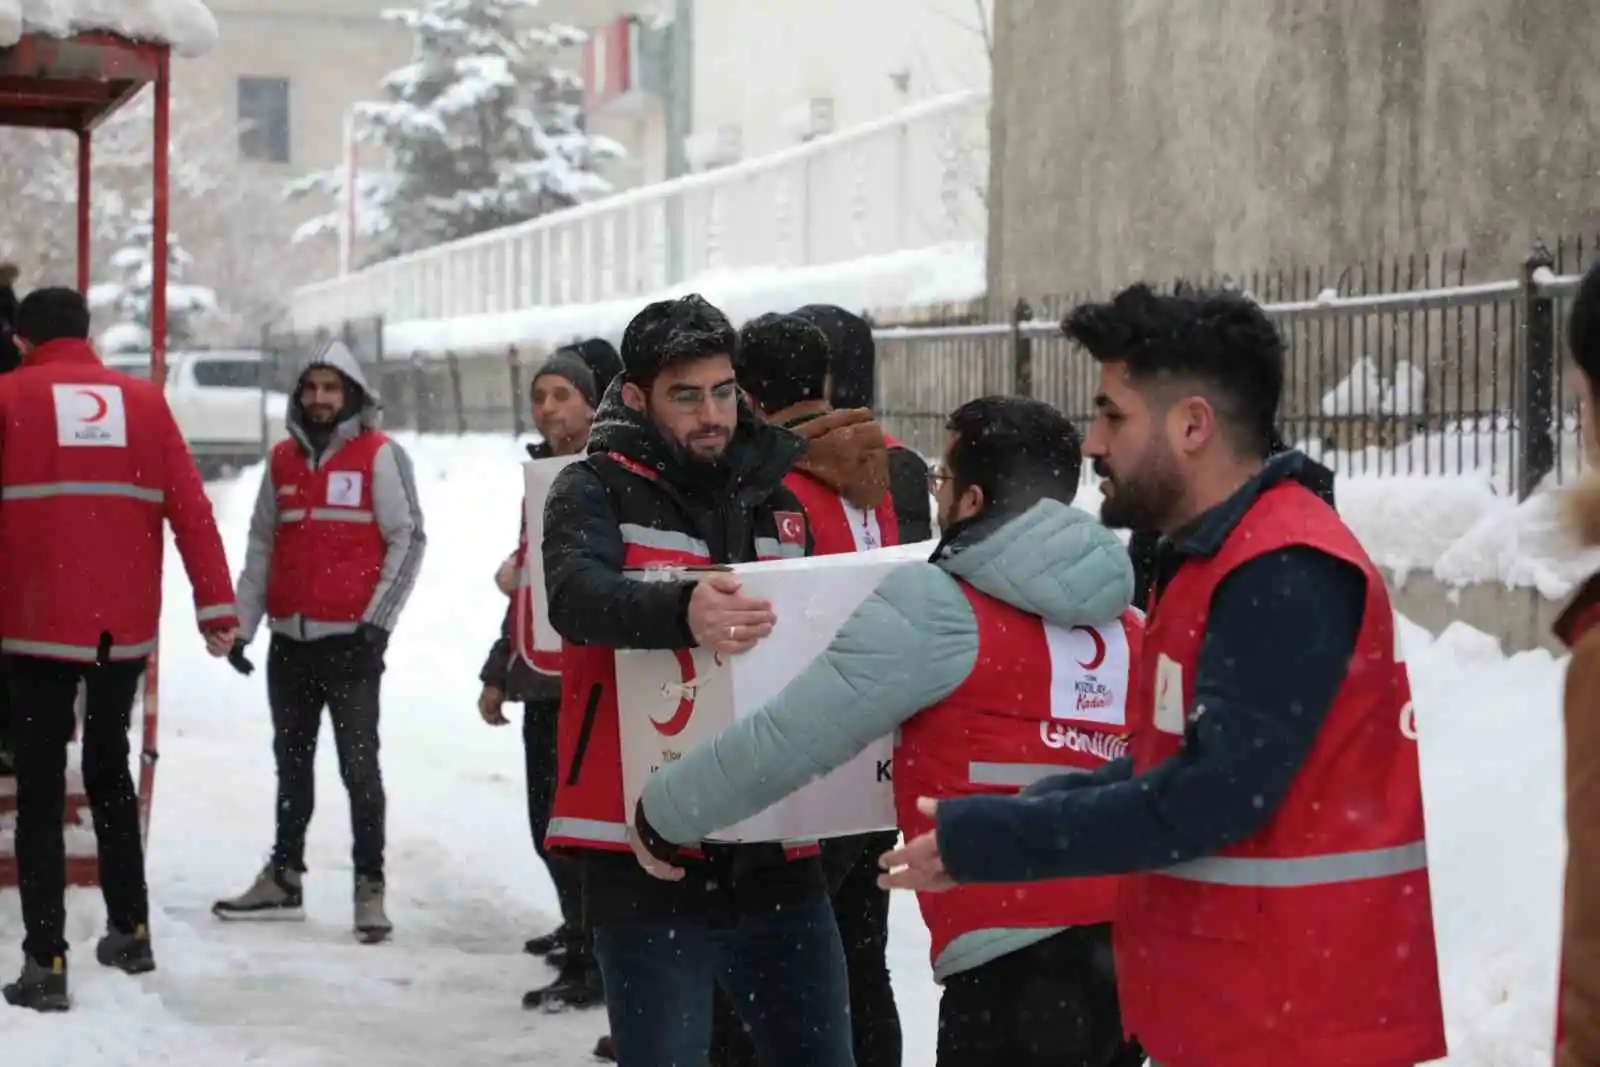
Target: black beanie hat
601	358
565	363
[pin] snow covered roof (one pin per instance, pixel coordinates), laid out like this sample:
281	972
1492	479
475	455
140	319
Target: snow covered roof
187	25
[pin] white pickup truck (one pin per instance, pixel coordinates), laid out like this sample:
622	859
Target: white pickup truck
226	417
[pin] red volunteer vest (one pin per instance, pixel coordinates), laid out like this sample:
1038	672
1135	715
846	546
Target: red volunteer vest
522	605
838	526
1040	700
92	470
589	811
328	551
1311	943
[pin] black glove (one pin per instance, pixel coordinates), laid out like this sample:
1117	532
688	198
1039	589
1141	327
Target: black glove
375	639
236	657
654	843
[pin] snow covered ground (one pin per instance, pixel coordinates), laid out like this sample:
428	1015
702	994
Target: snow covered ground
467	889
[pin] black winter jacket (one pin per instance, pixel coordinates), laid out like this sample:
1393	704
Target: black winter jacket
10	358
509	672
593	603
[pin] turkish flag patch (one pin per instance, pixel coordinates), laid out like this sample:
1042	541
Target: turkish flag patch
791	527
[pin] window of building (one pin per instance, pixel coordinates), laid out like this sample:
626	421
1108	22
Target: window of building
264	119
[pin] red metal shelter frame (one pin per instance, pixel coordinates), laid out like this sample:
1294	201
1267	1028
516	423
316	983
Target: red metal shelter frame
74	84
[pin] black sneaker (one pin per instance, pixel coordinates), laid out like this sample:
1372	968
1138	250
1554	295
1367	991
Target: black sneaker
128	953
576	987
545	944
605	1049
41	986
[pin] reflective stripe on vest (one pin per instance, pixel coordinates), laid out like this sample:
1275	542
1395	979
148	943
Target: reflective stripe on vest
42	490
77	653
772	548
612	833
1015	775
326	515
663	540
1291	873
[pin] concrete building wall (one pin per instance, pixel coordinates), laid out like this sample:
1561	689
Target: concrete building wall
757	65
1165	137
333	57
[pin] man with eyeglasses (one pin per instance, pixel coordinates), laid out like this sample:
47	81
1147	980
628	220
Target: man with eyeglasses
679	472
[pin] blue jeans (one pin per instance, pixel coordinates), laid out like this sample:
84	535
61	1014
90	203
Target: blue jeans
783	969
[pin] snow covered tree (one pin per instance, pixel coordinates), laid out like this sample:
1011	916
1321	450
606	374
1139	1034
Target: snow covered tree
128	297
481	130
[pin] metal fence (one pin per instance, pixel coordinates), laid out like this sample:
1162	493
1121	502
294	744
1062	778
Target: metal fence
1403	368
1408	369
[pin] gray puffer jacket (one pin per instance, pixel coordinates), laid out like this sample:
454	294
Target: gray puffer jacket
396	508
908	646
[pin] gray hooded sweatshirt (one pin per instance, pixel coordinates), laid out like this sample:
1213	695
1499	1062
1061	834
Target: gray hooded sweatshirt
396	509
908	646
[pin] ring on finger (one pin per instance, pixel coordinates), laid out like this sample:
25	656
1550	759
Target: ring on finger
733	633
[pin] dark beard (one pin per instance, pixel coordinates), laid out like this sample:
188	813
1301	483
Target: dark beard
1141	503
699	474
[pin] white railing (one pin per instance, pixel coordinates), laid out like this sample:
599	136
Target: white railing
911	180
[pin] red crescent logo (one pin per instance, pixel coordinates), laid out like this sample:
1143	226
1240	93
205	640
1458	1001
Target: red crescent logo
100	406
680	717
685	710
1099	656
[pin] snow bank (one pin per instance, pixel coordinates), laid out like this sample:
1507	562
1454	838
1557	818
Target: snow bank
1459	530
1366	391
1492	778
943	274
187	25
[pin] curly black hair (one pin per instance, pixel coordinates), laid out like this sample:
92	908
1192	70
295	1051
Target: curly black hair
1217	342
666	332
1017	450
782	361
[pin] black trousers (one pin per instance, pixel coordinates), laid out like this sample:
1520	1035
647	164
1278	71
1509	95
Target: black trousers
862	912
43	693
539	755
344	674
1052	1004
6	727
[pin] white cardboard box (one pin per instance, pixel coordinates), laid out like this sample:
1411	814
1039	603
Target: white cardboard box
538	476
670	701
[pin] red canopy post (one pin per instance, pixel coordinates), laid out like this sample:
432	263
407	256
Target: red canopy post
160	151
159	166
85	199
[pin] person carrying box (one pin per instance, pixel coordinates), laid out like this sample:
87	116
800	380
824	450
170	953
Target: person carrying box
680	473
